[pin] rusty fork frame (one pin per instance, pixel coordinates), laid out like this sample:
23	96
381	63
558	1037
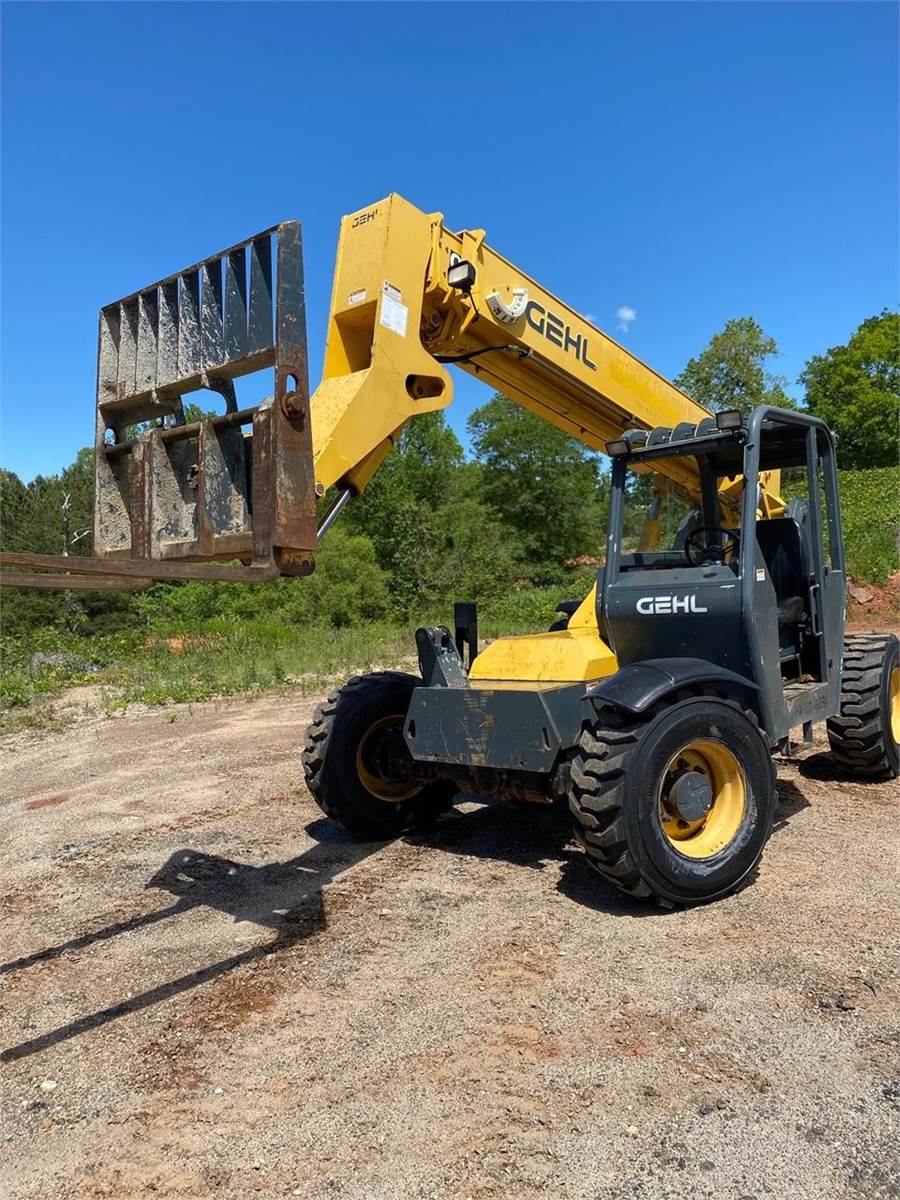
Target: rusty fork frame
174	499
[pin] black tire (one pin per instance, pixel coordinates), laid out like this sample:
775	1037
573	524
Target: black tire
864	736
338	729
618	780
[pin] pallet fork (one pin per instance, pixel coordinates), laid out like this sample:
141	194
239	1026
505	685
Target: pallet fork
171	496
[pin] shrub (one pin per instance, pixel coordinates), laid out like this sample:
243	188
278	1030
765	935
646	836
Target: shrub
870	513
15	689
532	609
346	588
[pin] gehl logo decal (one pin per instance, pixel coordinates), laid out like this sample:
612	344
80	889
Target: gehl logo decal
364	217
648	605
555	330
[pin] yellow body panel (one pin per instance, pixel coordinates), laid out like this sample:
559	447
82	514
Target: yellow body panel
565	656
377	373
569	655
585	616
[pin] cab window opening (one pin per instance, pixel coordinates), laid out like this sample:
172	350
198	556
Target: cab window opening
667	527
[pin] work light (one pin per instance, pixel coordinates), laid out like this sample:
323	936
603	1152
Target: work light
461	275
732	418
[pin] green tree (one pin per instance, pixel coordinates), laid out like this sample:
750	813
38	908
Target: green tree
476	556
419	471
21	611
544	485
32	519
397	511
731	372
856	389
13	501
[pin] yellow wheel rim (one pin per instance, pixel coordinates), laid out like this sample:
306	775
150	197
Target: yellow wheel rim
895	704
394	791
707	835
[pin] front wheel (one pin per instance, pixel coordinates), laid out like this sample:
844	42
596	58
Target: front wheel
675	805
356	763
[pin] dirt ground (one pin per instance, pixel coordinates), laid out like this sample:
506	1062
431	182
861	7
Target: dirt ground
208	990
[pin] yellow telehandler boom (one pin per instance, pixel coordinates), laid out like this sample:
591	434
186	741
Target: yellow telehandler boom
409	296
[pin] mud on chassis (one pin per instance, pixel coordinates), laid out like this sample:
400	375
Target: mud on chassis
726	643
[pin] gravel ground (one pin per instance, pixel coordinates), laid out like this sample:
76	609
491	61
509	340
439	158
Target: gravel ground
209	991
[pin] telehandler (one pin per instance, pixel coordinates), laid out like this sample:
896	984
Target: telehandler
654	705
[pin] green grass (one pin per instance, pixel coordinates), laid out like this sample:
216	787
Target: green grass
217	658
221	657
870	512
252	656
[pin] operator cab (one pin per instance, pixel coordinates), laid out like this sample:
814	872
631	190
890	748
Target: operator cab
743	580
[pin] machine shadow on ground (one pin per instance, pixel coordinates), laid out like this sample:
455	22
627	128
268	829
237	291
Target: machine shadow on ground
536	837
824	768
287	897
791	801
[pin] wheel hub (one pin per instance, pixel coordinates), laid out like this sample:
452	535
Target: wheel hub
702	798
691	796
380	762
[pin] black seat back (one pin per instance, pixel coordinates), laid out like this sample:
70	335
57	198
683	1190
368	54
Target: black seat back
784	552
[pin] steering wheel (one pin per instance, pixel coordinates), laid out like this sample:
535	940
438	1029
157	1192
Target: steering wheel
702	553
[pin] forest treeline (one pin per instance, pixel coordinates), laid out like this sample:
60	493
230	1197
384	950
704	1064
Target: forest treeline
525	509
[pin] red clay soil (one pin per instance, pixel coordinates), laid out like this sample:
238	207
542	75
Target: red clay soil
874	608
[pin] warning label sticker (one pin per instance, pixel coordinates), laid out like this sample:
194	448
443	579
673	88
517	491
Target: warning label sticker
394	313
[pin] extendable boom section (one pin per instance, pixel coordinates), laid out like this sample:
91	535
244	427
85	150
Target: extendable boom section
410	295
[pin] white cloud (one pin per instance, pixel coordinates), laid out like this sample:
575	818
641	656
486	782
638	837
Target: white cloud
626	315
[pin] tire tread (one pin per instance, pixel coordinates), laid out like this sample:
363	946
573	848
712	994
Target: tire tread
859	735
597	792
321	741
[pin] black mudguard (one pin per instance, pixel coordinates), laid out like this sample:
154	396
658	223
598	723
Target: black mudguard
638	686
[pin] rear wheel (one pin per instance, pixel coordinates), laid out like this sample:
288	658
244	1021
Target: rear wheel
865	736
356	763
677	804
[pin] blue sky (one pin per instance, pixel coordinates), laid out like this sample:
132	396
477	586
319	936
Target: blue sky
692	162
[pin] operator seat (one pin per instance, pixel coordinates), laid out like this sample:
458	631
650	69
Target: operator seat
783	548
